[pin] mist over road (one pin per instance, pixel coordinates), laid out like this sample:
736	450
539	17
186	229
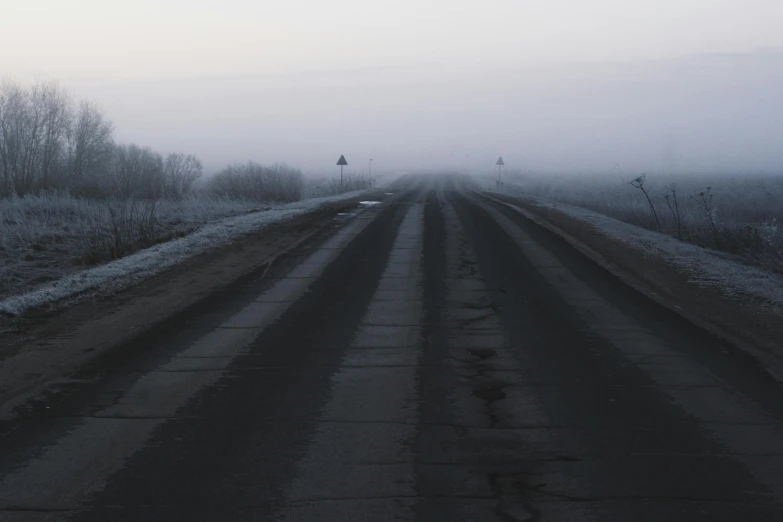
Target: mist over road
434	357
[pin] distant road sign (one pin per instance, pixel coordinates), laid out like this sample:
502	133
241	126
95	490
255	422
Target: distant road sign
342	163
500	161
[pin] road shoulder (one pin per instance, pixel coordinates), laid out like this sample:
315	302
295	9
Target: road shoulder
742	319
37	359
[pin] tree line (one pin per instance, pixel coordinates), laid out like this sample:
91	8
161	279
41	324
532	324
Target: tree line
49	142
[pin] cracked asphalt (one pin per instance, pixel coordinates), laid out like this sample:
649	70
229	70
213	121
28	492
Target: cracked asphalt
437	357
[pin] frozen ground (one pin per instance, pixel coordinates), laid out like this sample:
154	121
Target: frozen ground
43	238
63	230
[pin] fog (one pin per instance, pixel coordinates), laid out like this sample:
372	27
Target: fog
704	113
623	93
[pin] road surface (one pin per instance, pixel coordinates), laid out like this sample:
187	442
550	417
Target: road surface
436	357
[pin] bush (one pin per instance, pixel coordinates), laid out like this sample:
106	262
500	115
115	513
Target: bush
319	187
251	181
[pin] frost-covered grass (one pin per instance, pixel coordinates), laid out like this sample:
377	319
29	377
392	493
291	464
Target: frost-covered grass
45	237
49	245
316	187
738	215
704	267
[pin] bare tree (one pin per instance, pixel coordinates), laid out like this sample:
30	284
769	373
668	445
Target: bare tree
258	182
46	143
90	146
137	172
12	134
181	171
52	103
33	126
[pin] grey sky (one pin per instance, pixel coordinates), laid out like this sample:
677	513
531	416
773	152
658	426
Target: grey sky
556	84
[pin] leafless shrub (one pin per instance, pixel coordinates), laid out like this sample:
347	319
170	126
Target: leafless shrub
180	171
131	226
137	172
326	186
258	182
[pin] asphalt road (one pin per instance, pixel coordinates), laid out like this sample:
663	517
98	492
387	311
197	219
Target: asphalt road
434	358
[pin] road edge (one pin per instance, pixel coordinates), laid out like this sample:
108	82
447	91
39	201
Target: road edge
768	361
23	397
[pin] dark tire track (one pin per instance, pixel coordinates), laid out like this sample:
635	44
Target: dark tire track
615	409
239	439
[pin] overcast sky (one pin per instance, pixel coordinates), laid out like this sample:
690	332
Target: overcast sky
555	84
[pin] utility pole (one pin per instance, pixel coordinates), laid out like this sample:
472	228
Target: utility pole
369	171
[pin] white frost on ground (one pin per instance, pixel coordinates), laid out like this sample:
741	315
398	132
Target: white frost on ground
122	273
703	266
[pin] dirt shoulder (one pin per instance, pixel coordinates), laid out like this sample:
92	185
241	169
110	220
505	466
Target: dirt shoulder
50	345
744	320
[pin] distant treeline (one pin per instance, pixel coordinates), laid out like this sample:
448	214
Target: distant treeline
51	143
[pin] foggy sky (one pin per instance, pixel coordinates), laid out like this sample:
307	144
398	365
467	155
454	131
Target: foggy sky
555	85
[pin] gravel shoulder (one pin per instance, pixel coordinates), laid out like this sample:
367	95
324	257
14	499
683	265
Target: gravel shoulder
745	319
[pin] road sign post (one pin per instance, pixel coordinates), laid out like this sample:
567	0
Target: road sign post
500	164
342	163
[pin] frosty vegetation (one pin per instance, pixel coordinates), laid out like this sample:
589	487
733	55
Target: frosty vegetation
72	197
736	215
58	284
329	186
50	143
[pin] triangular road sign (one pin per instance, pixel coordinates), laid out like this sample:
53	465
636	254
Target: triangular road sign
500	161
342	161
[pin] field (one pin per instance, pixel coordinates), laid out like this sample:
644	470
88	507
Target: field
738	216
43	238
320	186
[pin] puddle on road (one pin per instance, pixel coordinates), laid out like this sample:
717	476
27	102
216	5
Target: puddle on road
369	203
